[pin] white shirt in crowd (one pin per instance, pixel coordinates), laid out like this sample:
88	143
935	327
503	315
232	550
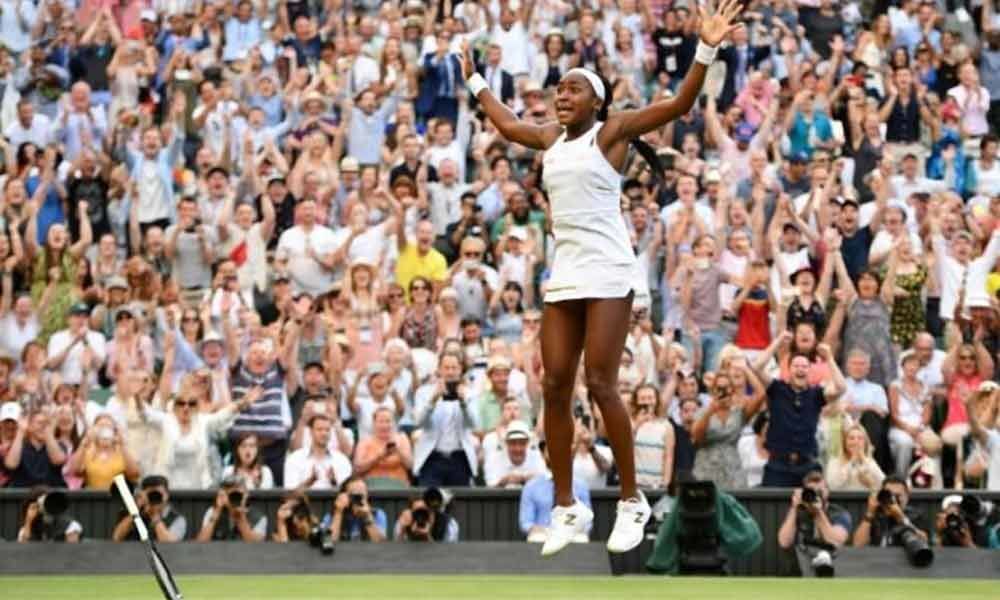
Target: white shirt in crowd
13	336
307	275
71	369
301	464
499	466
37	132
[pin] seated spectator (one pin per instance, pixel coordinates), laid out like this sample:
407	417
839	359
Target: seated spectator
230	518
494	441
854	468
163	522
295	519
884	521
377	393
44	518
353	517
537	500
910	409
753	453
76	352
866	402
986	434
35	457
247	464
518	464
426	519
103	455
495	389
386	453
445	452
316	466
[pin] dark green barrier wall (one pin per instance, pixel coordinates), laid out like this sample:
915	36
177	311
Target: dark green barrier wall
483	515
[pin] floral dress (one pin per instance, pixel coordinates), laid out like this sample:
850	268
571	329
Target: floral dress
718	459
908	318
868	329
63	297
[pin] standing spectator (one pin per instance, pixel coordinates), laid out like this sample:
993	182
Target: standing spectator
77	353
79	124
973	101
151	172
309	251
35	457
184	456
316	466
29	126
190	245
418	258
386	453
655	440
445	451
717	432
795	408
103	455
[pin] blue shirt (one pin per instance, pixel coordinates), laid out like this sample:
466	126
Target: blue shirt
538	498
351	528
794	416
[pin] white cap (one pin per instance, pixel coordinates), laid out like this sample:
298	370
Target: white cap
517	430
950	500
10	411
148	15
518	233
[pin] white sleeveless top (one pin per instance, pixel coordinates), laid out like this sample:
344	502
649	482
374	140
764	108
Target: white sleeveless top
593	250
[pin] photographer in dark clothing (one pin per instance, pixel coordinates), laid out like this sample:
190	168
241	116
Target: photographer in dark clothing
427	520
353	516
887	516
813	527
163	522
230	518
44	518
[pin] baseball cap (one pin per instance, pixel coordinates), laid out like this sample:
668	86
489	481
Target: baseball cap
532	87
798	157
744	132
518	233
988	386
376	368
950	500
148	15
210	337
712	176
80	308
517	430
498	362
350	164
10	411
117	282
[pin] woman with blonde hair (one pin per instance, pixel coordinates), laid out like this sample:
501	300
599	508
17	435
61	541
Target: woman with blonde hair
854	468
103	454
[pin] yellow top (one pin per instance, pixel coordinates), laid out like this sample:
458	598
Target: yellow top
100	472
410	264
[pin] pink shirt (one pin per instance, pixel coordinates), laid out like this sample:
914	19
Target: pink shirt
974	108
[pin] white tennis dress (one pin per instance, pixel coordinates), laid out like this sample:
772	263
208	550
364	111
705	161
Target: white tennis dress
593	254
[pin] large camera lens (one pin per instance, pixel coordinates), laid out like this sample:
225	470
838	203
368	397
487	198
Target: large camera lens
235	498
885	497
971	507
421	516
54	503
809	495
155	497
357	499
916	548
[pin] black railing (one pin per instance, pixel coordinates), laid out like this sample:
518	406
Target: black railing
482	514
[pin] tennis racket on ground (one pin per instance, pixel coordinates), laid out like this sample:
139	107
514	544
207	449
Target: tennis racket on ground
156	562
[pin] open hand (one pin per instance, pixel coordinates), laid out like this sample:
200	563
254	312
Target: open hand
719	25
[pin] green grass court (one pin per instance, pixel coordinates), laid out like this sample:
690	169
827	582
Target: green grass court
473	587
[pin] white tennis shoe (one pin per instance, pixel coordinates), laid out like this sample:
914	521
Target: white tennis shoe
630	524
568	524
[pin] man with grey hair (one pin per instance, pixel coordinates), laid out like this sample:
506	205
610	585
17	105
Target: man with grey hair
866	401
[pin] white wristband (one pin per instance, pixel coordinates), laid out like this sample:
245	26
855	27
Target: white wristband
476	84
705	54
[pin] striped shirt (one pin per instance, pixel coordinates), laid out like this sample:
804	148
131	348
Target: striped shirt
270	416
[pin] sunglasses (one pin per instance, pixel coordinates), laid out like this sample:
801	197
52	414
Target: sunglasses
182	403
472	254
189	320
396	295
531	321
968	357
414	288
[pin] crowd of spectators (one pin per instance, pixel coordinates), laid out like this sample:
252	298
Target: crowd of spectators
252	245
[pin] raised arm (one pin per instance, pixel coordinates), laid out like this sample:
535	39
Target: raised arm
715	28
536	137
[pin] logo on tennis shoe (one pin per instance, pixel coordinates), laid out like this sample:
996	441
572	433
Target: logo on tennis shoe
570	519
639	517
